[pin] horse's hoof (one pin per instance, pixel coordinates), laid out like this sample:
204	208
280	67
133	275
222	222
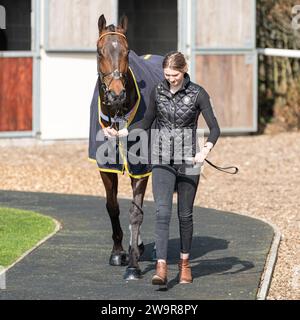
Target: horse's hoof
132	274
141	248
119	259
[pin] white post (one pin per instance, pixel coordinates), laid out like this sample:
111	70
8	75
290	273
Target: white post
2	18
2	278
279	52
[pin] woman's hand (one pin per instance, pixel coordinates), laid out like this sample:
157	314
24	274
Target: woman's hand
110	132
123	133
201	156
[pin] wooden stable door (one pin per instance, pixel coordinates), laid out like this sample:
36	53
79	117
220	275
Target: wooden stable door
15	94
219	38
229	80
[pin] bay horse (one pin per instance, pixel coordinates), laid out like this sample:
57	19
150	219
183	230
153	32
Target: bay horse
116	89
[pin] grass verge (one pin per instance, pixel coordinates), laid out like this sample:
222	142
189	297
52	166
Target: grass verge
20	230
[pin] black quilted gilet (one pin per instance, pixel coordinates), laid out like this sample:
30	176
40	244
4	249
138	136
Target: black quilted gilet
176	120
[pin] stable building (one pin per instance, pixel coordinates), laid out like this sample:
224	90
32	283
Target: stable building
48	64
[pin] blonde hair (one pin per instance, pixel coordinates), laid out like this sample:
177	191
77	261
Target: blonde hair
175	60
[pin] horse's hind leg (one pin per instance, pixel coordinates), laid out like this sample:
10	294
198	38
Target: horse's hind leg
136	218
118	256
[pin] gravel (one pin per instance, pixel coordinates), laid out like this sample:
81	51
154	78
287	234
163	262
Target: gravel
267	186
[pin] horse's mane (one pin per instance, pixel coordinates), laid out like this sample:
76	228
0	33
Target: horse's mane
111	28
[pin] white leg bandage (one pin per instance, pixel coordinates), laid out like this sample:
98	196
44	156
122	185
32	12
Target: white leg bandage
139	237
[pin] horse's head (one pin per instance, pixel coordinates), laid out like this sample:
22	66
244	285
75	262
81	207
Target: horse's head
112	49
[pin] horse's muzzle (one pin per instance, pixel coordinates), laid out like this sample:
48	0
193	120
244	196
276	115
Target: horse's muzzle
115	99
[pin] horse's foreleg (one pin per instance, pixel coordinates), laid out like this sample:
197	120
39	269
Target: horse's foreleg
140	241
110	180
135	219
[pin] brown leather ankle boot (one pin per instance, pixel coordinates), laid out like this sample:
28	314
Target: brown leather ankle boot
185	273
160	277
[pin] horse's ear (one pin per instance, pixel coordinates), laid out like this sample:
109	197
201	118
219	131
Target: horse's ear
124	23
101	23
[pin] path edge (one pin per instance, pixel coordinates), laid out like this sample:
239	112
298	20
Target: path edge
269	268
266	278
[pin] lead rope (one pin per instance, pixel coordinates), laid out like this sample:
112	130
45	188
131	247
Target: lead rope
236	169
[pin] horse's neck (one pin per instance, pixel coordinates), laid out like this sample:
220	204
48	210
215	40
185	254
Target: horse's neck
131	94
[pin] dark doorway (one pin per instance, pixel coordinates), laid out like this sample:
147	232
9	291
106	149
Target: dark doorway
16	85
152	25
17	35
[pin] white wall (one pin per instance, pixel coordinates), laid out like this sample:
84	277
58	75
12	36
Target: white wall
67	85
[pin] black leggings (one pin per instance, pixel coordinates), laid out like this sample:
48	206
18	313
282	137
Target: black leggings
165	177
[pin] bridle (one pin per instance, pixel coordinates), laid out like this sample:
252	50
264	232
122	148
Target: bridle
115	75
